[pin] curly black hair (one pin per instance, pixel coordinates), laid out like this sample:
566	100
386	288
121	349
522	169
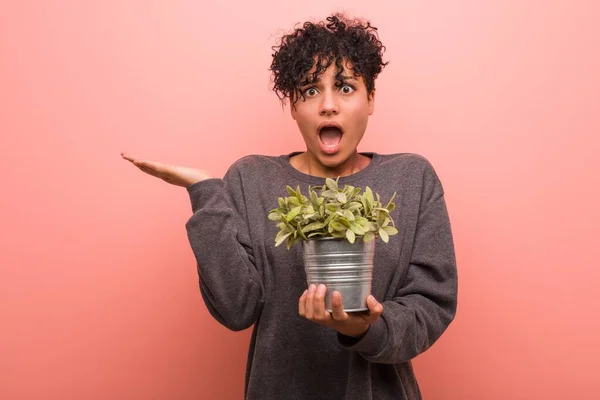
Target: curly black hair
338	40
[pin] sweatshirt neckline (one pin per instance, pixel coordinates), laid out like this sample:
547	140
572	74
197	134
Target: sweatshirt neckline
315	180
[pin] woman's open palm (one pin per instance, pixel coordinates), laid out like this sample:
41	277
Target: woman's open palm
173	174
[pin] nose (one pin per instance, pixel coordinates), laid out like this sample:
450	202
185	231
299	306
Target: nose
329	104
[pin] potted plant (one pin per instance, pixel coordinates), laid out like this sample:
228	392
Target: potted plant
337	228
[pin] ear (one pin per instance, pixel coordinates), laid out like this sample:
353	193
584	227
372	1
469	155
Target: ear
292	110
371	100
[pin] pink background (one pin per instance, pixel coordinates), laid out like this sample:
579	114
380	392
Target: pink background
99	296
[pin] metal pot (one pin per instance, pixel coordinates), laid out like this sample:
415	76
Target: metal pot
341	266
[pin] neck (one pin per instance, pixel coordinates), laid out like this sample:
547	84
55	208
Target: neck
311	165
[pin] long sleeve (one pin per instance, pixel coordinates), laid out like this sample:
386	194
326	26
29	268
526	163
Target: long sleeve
425	303
230	283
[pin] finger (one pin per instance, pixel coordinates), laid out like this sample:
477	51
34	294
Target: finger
309	301
127	157
156	166
375	308
149	171
319	304
147	165
337	305
302	304
155	169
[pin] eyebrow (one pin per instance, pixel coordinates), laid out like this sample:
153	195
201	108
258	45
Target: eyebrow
344	78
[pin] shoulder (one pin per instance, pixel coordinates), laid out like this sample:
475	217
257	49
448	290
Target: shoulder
406	162
252	162
414	170
253	169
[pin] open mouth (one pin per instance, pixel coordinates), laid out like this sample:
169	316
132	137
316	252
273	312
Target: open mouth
330	135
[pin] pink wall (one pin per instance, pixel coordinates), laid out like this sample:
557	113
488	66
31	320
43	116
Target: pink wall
98	295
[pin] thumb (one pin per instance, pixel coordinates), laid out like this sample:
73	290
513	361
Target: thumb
375	308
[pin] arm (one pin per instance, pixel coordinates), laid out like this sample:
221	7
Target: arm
230	283
425	303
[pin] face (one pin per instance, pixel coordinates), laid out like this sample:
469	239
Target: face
332	119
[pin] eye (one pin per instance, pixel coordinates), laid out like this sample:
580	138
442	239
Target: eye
310	92
347	89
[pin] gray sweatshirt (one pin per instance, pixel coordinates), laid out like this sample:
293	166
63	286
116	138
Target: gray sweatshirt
245	280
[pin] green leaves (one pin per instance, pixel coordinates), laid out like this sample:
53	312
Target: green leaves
331	184
331	211
350	235
281	236
315	226
383	235
293	212
357	229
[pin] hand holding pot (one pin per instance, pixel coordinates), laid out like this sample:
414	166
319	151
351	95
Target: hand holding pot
312	307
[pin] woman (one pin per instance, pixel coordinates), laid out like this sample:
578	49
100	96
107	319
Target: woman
298	350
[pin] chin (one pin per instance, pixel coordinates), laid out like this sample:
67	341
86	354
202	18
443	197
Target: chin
332	160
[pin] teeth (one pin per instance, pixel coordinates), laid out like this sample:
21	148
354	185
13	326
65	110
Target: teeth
330	137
